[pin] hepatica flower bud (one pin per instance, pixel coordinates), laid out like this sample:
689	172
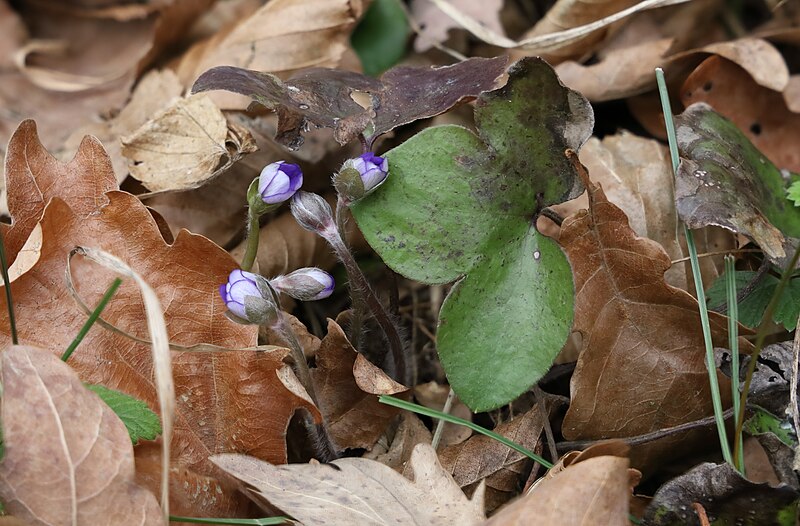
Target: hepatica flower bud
247	297
279	181
372	169
313	213
305	284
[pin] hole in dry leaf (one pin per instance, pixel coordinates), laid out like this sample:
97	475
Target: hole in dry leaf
708	85
755	128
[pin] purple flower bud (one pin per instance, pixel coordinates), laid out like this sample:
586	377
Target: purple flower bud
279	181
313	213
305	284
373	169
246	298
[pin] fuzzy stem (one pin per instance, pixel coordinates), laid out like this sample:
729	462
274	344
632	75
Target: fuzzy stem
251	249
321	439
359	304
359	282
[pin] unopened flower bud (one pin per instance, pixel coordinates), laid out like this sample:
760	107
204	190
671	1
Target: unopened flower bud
279	181
248	298
371	169
313	213
305	284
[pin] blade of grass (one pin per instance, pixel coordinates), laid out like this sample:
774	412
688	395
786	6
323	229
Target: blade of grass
92	318
422	410
211	520
733	344
12	321
716	399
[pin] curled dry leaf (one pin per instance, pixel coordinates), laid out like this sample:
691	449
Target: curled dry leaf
226	401
348	386
325	97
68	458
759	112
357	490
180	148
725	180
725	495
434	24
595	491
281	37
642	365
395	447
482	458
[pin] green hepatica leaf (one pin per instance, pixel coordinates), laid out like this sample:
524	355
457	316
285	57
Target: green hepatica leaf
142	423
460	207
725	181
752	306
381	37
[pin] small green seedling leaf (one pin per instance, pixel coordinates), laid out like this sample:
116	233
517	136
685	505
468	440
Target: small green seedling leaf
763	422
141	422
793	193
381	37
462	207
724	180
752	307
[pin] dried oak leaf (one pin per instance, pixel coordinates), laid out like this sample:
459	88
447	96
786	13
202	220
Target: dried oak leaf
357	491
434	24
281	37
595	491
180	147
348	386
642	364
484	459
68	458
760	112
324	97
226	401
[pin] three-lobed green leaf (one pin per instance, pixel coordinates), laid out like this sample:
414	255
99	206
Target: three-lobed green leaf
462	207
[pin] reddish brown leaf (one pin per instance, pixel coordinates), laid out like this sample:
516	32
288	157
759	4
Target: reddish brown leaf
68	458
759	112
642	364
235	401
348	386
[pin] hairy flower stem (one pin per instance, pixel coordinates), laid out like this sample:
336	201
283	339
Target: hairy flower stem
320	438
253	230
359	286
359	304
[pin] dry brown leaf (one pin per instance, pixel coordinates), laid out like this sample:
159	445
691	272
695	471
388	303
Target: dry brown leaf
636	175
619	74
281	37
642	364
483	458
434	24
68	458
357	491
348	386
232	401
394	449
760	113
434	396
180	148
155	91
576	38
595	491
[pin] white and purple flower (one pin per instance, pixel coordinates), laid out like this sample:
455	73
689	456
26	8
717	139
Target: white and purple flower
372	169
279	181
245	299
305	284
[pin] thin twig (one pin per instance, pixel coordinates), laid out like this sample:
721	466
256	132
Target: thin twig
701	514
552	215
448	405
539	397
578	445
718	253
794	378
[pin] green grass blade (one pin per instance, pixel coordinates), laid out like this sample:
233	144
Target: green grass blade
716	399
92	318
733	345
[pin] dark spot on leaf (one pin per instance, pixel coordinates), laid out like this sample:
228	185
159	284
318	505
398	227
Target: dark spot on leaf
708	85
755	128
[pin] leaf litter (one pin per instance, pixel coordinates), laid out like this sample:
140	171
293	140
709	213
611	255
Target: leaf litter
162	186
